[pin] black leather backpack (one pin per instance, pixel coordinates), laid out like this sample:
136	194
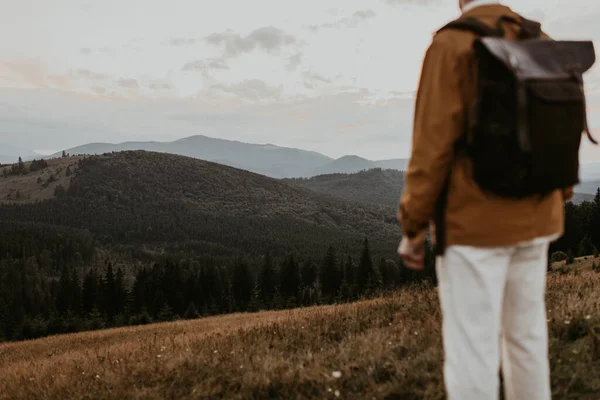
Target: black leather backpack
525	129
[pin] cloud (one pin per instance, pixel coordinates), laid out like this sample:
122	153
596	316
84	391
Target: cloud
161	86
198	65
413	2
29	73
205	65
183	41
129	83
365	14
252	90
311	78
346	22
104	50
304	117
98	89
218	63
294	62
269	39
87	74
345	129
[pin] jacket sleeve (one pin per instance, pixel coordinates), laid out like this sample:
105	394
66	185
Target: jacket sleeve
438	123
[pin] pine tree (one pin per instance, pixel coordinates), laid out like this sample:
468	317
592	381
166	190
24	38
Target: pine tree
254	305
570	258
290	279
166	313
172	283
140	294
586	247
64	294
366	275
331	276
109	292
90	292
242	285
346	291
120	292
267	281
309	273
349	271
389	273
191	312
76	293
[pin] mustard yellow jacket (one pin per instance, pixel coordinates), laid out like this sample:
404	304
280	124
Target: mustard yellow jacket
474	218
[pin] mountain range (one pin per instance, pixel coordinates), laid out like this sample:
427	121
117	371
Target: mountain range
265	159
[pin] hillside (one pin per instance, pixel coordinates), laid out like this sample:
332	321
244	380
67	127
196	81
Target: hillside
384	187
375	186
387	348
39	185
166	200
269	160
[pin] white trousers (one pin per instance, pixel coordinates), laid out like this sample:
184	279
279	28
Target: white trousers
487	295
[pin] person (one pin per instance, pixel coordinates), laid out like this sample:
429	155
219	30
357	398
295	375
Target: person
492	272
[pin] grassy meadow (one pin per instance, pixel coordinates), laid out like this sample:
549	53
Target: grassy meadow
384	348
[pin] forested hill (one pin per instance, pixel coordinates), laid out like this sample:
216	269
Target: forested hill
375	186
158	199
384	186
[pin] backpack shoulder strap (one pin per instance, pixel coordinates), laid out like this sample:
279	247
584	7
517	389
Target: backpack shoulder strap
530	29
472	25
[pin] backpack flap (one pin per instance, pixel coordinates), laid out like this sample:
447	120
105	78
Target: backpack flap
557	65
541	58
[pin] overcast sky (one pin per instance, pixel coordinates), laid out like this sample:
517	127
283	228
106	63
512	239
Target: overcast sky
335	76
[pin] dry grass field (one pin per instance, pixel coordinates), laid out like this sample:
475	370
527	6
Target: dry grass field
386	348
36	185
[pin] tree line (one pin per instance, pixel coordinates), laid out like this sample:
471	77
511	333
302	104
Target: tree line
56	279
33	304
582	229
20	168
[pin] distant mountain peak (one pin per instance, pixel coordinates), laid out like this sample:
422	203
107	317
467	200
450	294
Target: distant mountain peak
352	157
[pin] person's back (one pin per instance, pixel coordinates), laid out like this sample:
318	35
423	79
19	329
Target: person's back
473	217
493	257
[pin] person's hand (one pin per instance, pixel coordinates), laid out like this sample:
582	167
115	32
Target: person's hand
412	251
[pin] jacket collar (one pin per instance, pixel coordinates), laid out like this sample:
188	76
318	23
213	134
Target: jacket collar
489	10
